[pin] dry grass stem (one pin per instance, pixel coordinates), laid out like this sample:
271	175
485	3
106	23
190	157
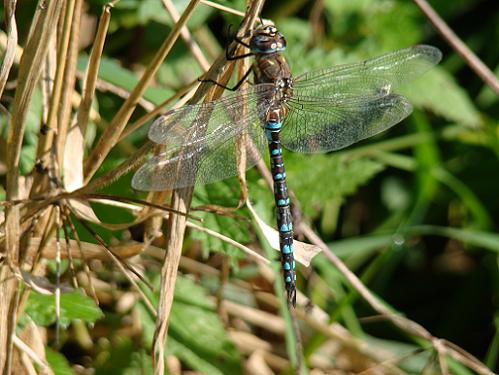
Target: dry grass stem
113	132
11	43
176	225
223	8
187	37
459	46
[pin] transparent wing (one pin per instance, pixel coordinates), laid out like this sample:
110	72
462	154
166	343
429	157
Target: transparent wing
371	77
319	125
201	141
335	107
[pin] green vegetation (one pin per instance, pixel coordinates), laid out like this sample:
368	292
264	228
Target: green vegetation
413	212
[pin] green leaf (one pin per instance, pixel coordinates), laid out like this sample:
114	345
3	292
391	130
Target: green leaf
196	333
41	308
189	356
58	363
186	291
202	331
438	91
364	245
152	10
224	193
111	71
485	240
116	358
307	177
364	24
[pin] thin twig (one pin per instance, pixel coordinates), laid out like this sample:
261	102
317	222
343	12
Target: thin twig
187	37
459	46
113	132
21	345
156	111
404	324
181	200
34	55
10	53
223	8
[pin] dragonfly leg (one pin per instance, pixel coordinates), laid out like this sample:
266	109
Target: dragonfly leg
231	57
241	81
228	57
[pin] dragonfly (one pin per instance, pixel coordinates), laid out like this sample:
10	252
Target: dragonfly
319	111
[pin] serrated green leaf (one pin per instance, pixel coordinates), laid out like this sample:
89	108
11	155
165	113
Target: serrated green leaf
201	330
196	334
318	178
187	291
405	28
41	308
223	193
438	91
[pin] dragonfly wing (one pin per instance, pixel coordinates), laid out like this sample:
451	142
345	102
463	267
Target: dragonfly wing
202	124
323	124
335	107
375	76
201	141
199	166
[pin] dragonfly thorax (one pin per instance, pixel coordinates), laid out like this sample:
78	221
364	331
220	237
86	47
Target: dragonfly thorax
284	90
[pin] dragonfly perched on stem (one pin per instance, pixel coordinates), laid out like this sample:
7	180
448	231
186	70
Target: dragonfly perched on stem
319	111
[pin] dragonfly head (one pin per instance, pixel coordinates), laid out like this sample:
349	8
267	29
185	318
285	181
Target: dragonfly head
266	39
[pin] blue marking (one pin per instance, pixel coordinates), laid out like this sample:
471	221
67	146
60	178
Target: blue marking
268	134
278	176
277	151
288	279
273	125
287	249
286	266
270	50
290	226
281	202
284	228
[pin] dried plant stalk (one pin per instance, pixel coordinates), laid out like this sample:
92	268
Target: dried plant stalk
113	132
181	201
29	72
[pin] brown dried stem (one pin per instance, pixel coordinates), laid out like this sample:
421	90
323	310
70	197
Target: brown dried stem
181	200
113	132
459	46
187	37
34	54
10	53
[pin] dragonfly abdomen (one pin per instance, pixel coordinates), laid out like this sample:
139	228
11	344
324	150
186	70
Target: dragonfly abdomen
272	128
